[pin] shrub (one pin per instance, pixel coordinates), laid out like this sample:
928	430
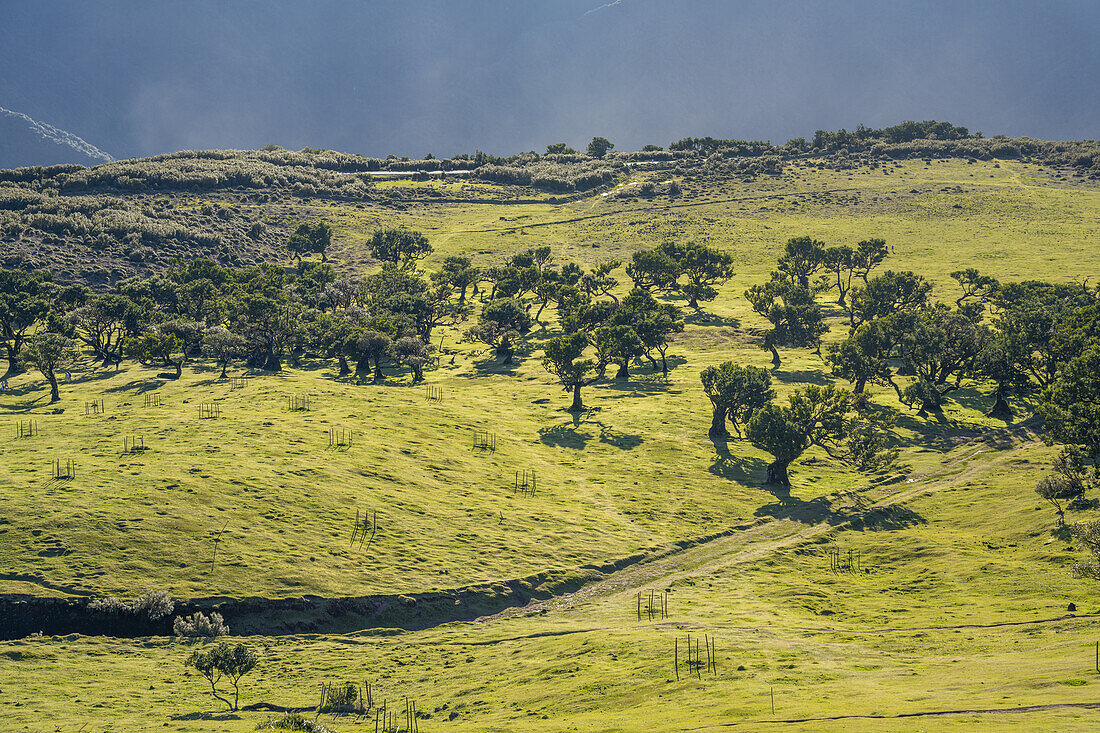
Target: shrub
294	721
154	605
342	698
199	625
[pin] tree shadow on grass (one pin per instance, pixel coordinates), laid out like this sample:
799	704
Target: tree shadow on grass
563	436
1063	532
16	408
702	318
791	507
884	518
972	398
624	441
489	363
206	716
752	472
820	509
937	431
138	386
800	376
747	471
635	387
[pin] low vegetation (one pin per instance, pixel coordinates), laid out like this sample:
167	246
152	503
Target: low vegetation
801	423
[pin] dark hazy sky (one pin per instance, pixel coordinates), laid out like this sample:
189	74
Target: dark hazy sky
138	77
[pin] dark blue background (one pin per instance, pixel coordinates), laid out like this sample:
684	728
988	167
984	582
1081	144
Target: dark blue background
142	77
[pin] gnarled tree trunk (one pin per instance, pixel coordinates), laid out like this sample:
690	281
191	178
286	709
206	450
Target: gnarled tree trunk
718	423
577	405
1001	409
777	474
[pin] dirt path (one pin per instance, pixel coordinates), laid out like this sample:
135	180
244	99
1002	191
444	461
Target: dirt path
657	209
767	537
898	716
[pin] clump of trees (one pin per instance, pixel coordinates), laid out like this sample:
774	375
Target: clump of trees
826	417
51	353
310	237
736	392
1070	405
692	270
265	315
401	248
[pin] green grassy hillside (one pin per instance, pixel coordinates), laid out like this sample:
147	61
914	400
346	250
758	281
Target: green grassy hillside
955	549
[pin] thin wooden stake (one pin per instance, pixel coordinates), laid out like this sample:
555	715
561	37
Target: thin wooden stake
217	539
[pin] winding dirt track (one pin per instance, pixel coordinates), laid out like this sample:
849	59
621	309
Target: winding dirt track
657	209
992	451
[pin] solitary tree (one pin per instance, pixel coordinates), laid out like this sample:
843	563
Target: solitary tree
1071	404
816	416
653	321
838	262
50	352
105	321
458	272
374	346
974	284
703	268
599	147
889	293
600	282
865	355
773	429
736	392
996	364
563	358
654	269
1066	483
267	320
310	236
232	661
402	247
941	347
868	255
560	149
25	299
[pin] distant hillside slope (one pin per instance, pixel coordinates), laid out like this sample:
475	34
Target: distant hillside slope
26	142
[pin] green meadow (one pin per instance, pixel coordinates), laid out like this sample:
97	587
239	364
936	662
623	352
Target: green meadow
955	618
